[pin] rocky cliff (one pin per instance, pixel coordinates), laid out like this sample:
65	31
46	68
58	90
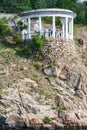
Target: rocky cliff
53	86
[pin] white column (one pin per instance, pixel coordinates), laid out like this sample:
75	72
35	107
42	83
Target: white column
40	24
63	27
63	30
22	32
66	28
29	28
71	28
53	26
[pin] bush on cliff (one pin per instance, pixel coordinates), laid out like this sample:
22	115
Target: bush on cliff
47	119
34	46
4	28
38	42
17	38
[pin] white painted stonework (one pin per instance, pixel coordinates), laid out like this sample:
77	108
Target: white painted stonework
66	17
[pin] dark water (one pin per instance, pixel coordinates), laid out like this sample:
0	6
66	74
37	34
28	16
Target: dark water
4	128
37	129
47	129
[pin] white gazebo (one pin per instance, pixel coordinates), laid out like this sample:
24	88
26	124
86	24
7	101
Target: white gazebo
66	17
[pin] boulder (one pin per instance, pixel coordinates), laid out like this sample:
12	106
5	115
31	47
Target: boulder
79	123
64	72
47	127
86	62
61	104
51	70
69	119
84	124
59	125
15	121
0	97
62	77
80	41
35	121
60	101
2	103
2	120
79	93
74	79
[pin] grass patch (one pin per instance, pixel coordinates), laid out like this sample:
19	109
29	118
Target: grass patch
83	56
47	119
1	89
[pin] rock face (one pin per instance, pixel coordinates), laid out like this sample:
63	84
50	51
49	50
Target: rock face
15	121
31	90
75	79
60	101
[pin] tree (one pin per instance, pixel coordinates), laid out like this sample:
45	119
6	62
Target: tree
16	6
51	3
69	4
80	19
33	3
40	4
85	11
23	5
4	28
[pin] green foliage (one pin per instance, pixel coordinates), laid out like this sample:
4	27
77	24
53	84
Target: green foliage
60	109
21	25
17	38
38	42
47	119
28	47
16	6
4	29
34	47
47	19
80	13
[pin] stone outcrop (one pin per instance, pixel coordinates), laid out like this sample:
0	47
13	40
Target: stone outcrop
74	79
51	71
55	86
15	121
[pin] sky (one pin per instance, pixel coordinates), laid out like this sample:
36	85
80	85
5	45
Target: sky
82	0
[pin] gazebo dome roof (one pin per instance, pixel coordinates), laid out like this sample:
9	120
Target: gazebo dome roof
48	12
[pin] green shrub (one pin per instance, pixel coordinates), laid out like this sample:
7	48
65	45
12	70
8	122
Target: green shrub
34	47
28	48
4	28
47	119
38	42
17	38
21	25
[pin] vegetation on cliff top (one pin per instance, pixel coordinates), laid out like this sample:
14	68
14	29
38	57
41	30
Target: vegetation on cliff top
16	6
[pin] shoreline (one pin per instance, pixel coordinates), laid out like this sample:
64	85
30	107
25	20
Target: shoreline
39	124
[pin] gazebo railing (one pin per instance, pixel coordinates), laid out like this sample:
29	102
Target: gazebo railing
47	35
